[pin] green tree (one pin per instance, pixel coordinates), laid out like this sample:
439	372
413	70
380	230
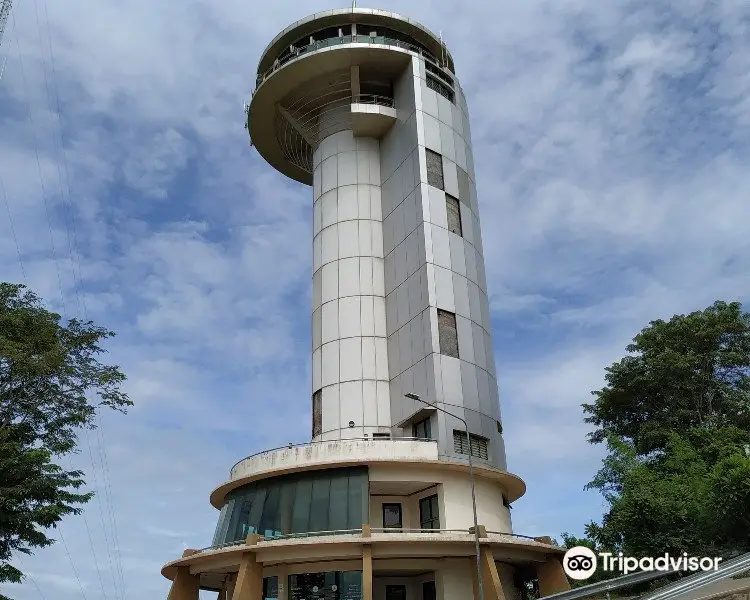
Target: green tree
51	386
675	415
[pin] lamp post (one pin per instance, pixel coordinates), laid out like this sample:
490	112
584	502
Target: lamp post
473	489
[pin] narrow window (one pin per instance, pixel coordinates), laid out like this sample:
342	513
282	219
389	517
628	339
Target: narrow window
428	513
447	333
461	444
435	84
421	430
392	516
381	436
435	169
454	215
317	413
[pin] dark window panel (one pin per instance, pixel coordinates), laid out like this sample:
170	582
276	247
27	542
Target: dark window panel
478	444
454	215
392	516
435	169
447	333
317	413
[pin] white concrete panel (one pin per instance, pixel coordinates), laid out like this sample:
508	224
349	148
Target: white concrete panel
469	385
330	321
389	239
485	308
475	307
477	334
329	402
483	389
348	272
384	401
365	238
317	183
458	260
457	119
438	210
381	359
416	333
481	274
460	148
451	177
374	159
349	317
393	356
370	404
317	323
399	230
461	295
369	370
447	142
429	367
466	222
441	247
329	208
410	213
451	379
412	252
431	133
330	363
391	312
402	301
489	354
345	141
364	209
317	294
465	339
329	172
367	315
445	112
470	256
328	147
330	281
376	204
316	369
378	306
437	360
408	178
363	166
348	234
378	276
367	144
347	168
388	200
429	100
377	238
317	216
317	252
406	358
329	244
431	285
351	359
419	379
347	203
351	403
399	260
444	290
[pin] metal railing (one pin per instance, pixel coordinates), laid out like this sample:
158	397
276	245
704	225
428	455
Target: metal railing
337	41
373	99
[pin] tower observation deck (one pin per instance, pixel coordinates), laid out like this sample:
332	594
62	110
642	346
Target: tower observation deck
383	502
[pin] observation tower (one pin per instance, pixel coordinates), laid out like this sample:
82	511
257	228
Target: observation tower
402	492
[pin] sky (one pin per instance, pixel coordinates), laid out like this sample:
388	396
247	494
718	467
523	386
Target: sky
612	151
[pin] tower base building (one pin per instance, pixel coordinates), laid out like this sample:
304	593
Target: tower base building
403	492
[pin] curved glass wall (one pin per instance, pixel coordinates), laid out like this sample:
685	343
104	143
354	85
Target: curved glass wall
314	501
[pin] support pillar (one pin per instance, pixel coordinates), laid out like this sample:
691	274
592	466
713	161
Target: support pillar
367	572
185	586
552	578
493	589
249	583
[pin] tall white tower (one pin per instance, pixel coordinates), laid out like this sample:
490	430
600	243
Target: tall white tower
364	106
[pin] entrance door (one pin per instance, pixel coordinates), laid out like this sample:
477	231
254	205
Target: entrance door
428	591
395	592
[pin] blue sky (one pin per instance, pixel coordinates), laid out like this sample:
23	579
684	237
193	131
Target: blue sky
612	158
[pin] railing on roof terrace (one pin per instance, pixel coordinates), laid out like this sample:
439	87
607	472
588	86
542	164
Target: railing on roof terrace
373	99
346	39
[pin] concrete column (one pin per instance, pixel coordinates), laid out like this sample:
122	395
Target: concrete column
552	578
493	590
185	586
249	584
367	572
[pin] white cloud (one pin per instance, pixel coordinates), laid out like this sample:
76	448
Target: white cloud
611	152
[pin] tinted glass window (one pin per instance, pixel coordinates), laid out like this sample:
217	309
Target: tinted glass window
392	515
435	169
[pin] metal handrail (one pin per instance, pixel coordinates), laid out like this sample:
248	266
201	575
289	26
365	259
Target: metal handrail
416	530
336	41
373	99
357	439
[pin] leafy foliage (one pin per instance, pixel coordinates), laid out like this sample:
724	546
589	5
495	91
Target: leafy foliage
48	371
675	416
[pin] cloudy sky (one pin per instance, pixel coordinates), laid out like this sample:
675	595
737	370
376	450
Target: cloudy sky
612	156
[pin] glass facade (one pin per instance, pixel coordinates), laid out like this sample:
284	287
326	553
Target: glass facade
334	585
314	501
